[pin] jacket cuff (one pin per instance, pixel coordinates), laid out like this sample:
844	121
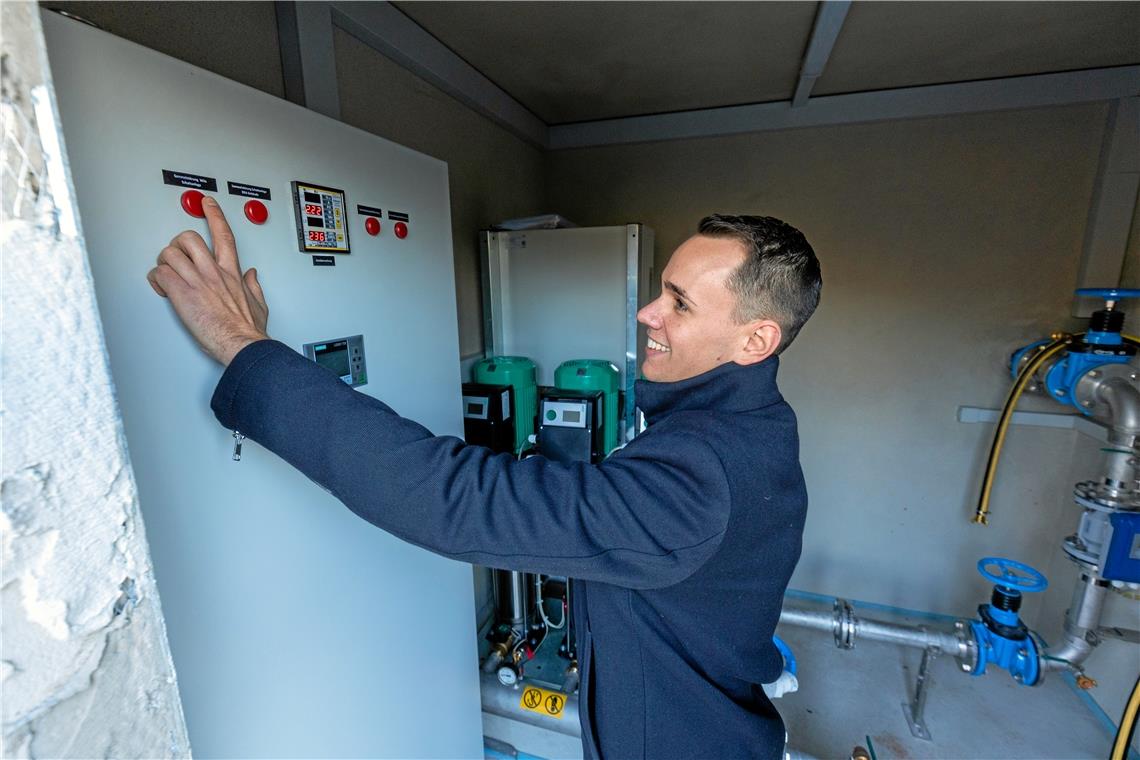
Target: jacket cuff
229	389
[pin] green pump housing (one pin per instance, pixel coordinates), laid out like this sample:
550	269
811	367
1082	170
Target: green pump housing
519	373
595	375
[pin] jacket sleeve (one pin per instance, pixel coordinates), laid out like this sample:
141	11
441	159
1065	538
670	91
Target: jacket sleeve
647	517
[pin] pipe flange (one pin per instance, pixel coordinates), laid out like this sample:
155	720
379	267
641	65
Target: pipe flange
846	624
1080	554
967	654
1096	496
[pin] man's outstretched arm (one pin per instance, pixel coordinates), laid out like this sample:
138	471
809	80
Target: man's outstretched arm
647	517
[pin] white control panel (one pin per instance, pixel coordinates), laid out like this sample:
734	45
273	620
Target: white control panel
287	615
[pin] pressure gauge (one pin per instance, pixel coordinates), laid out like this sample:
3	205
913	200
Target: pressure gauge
508	676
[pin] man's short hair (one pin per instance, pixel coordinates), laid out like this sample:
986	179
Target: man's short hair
779	278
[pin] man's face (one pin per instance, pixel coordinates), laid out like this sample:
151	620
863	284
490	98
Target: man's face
690	326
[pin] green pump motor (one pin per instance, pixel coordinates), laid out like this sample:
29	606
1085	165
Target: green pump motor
519	373
595	375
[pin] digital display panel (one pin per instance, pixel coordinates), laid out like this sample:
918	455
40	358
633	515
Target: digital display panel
474	408
569	416
321	213
333	356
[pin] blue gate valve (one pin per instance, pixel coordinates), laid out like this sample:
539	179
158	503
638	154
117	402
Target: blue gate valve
1101	344
1001	637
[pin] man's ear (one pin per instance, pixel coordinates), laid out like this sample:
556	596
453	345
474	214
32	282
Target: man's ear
763	340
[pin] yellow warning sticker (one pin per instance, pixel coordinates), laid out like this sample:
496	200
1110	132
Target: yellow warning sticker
543	702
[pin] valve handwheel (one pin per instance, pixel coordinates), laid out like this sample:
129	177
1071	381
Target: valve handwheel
1012	574
1111	294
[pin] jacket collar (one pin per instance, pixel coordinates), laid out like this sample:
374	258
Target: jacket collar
727	388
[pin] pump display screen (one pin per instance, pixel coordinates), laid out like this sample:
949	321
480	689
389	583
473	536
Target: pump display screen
569	416
334	356
474	408
321	218
344	356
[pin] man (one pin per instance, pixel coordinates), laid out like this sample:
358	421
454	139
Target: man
681	544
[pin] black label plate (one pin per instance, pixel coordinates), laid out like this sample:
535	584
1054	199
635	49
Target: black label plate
248	191
324	261
182	179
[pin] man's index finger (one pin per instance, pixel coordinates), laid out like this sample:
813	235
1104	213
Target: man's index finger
221	236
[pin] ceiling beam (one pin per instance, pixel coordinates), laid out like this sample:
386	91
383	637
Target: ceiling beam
386	30
318	83
828	21
1010	93
289	43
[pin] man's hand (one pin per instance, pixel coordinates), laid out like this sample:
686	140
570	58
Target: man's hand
224	310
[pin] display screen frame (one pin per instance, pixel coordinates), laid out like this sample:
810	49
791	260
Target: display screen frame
335	223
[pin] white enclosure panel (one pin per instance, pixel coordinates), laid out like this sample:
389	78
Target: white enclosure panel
297	629
565	294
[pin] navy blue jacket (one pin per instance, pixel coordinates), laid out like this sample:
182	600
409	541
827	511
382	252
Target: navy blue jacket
681	544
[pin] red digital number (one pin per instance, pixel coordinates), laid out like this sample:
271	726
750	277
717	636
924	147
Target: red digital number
316	236
312	208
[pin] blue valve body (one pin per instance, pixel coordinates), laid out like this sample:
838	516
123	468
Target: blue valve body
1018	656
1000	636
1062	378
1097	348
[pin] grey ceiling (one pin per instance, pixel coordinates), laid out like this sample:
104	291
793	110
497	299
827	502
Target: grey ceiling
581	61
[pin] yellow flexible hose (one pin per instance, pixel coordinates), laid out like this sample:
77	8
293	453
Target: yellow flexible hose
981	515
1127	725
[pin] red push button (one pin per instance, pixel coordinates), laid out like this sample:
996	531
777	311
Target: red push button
192	203
401	230
256	212
372	226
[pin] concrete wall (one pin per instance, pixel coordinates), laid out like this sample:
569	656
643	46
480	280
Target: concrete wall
86	670
945	244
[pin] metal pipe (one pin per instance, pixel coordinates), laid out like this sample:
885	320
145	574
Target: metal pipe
1123	400
919	637
512	599
847	627
504	701
1081	622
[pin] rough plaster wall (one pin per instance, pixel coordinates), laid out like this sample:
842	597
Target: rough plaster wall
86	669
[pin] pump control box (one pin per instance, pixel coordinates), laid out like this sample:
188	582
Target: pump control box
487	419
344	356
570	425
